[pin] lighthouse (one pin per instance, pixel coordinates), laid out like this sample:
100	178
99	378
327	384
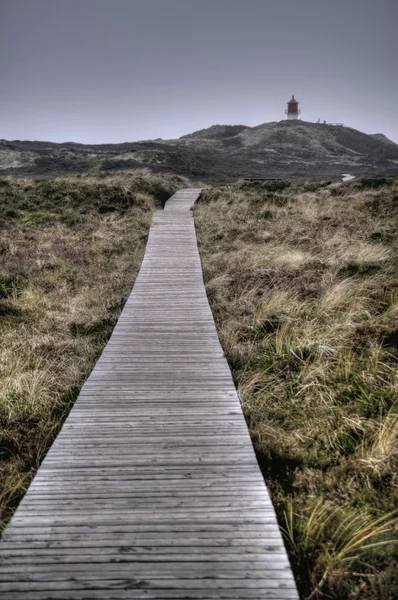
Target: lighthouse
292	110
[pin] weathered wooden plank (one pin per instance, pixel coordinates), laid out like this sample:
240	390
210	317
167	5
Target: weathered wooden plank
152	489
157	545
129	533
38	570
115	591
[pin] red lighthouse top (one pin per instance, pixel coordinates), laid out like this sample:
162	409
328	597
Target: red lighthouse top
292	107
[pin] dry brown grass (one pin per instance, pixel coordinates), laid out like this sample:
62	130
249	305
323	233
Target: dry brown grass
303	285
70	250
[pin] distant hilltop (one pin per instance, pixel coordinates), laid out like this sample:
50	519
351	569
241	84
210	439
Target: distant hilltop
290	148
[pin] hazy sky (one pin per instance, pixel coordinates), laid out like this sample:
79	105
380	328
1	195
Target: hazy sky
125	70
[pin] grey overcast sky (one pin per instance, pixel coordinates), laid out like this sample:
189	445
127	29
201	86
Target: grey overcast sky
125	70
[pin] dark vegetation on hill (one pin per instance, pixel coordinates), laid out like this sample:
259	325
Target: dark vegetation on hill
296	149
302	281
70	250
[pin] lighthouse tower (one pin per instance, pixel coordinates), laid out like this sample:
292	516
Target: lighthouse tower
292	110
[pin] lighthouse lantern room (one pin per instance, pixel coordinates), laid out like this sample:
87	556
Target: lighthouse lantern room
292	110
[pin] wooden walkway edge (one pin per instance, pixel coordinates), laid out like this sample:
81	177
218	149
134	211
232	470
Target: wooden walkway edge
152	489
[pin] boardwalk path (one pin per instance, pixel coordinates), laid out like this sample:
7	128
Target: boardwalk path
152	489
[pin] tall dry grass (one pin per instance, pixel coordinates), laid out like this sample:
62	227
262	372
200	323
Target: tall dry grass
302	281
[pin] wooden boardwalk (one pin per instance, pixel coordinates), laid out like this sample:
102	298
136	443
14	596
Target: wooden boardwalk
152	489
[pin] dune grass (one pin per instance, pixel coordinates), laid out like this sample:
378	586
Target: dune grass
302	281
70	249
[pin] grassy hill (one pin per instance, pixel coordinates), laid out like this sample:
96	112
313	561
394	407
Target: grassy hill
293	149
